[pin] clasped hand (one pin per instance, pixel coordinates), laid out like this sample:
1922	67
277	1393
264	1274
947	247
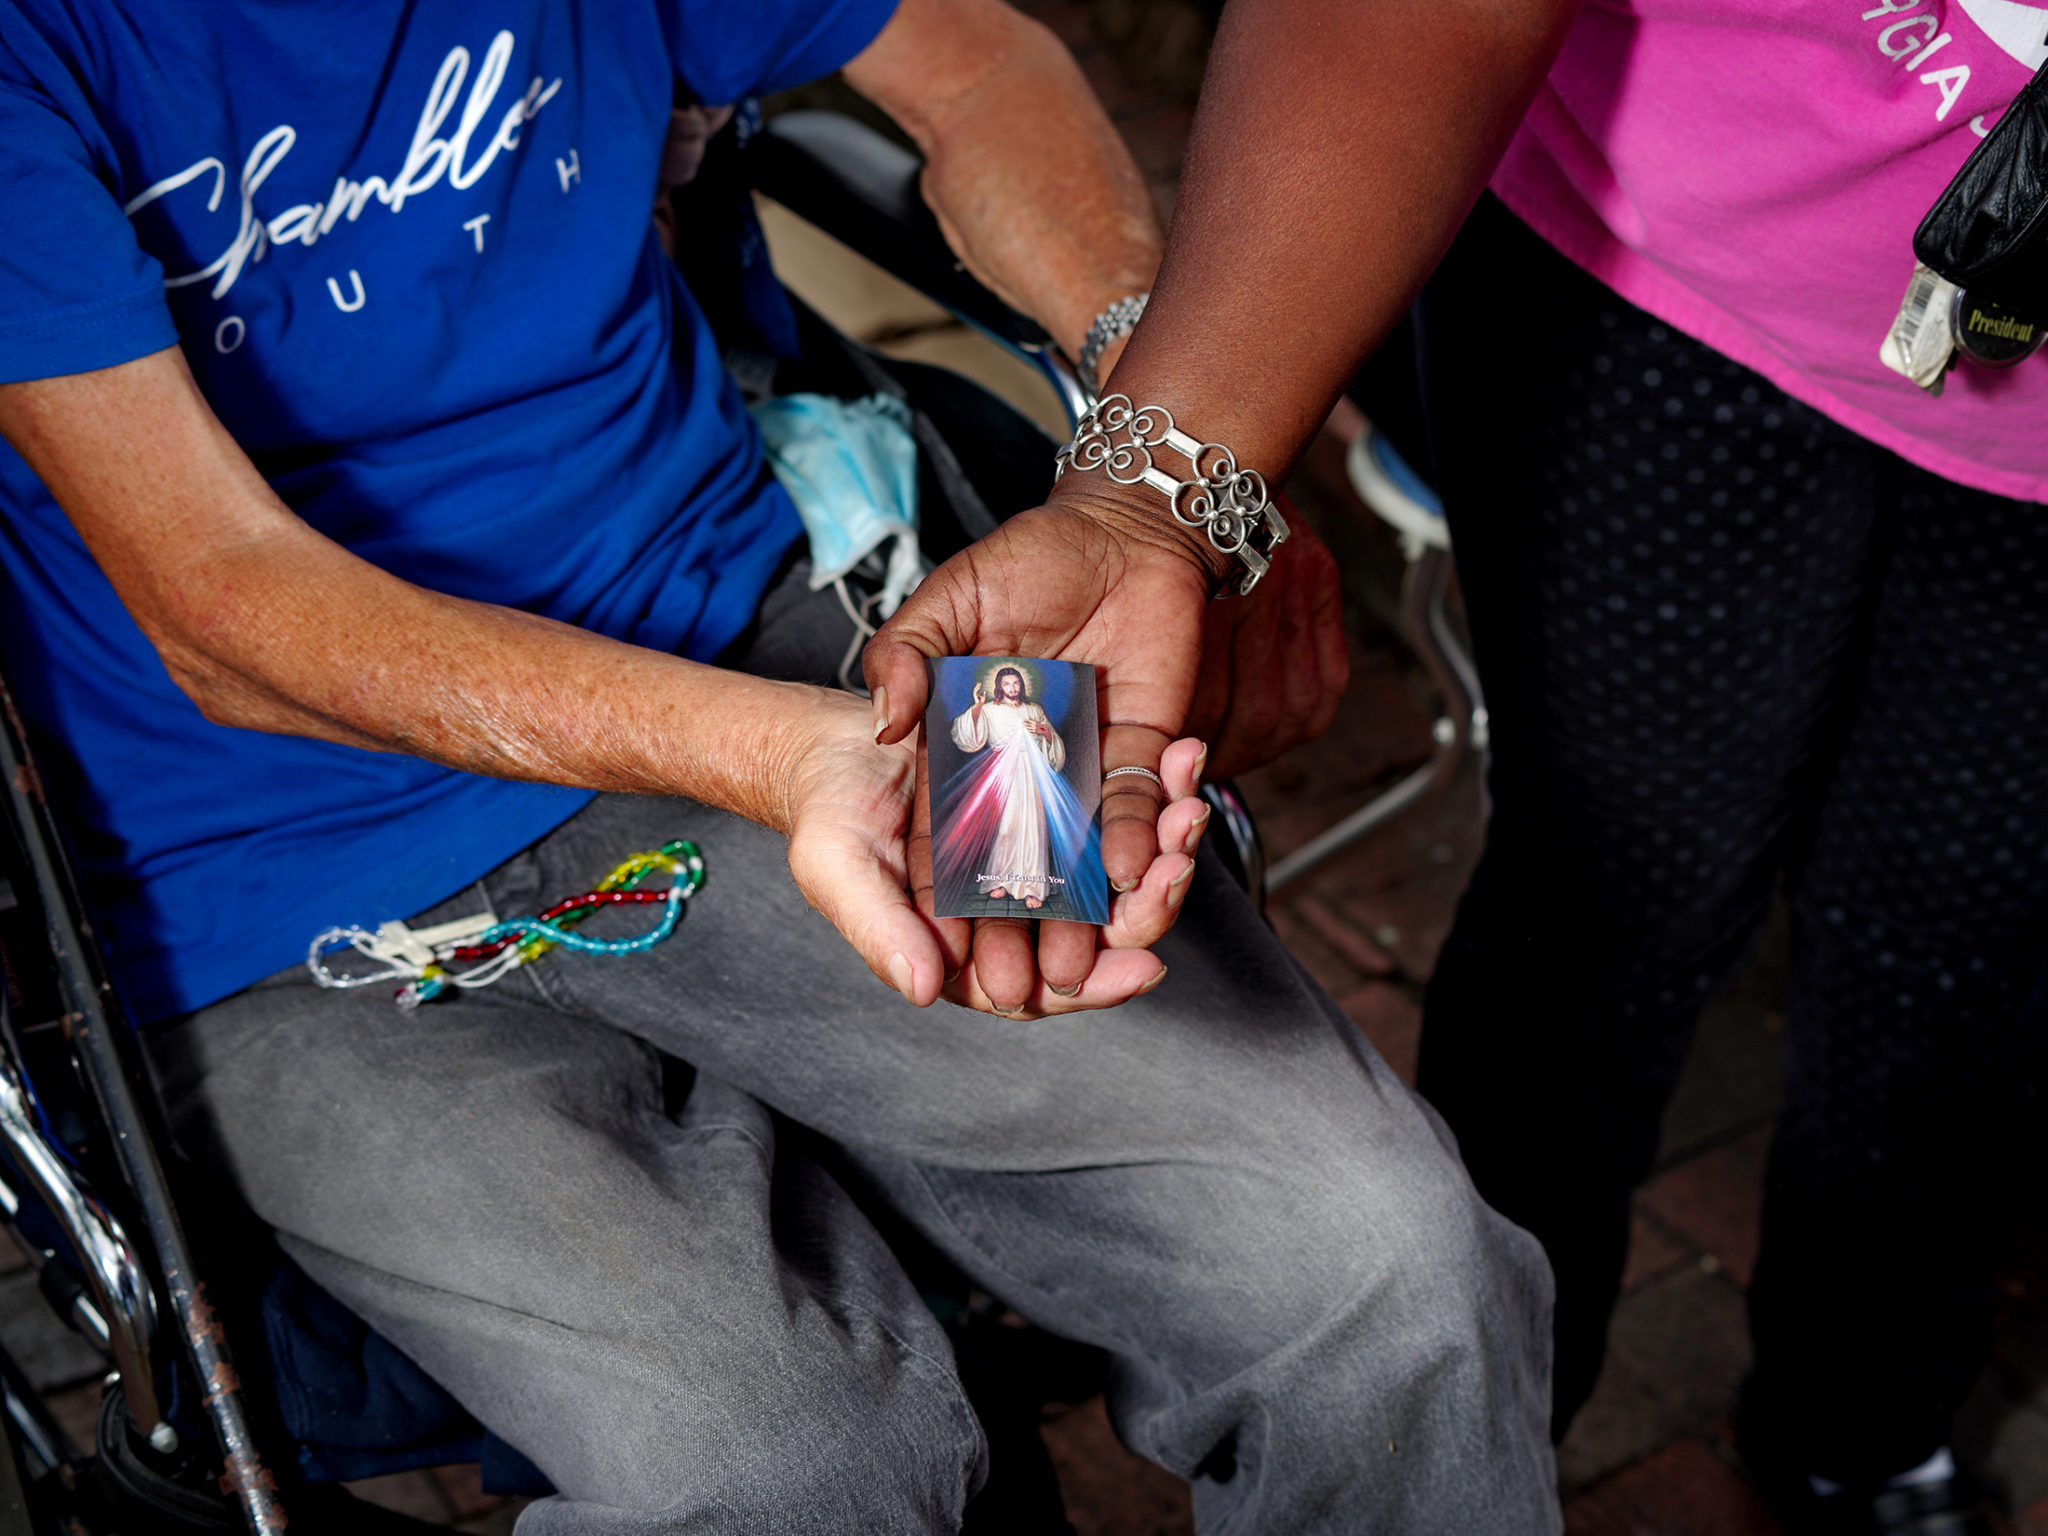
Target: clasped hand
1079	581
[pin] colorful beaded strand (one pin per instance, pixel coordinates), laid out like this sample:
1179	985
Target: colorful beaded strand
504	947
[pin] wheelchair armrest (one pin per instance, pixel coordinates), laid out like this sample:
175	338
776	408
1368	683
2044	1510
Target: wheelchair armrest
862	190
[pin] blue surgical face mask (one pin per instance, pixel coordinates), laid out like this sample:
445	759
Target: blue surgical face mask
851	468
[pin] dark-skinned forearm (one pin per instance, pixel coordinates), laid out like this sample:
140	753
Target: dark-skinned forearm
1338	146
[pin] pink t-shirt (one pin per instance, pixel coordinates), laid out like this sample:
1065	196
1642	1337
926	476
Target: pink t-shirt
1752	171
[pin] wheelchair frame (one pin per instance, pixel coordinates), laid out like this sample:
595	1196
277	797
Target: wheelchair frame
115	1289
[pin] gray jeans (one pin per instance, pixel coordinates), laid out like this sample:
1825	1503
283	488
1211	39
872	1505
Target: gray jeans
682	1315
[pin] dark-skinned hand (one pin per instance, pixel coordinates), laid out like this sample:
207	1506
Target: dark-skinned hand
1091	579
1274	664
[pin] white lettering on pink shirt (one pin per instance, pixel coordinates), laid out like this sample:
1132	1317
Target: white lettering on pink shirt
1912	39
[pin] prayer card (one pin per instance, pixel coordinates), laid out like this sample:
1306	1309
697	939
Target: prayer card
1016	787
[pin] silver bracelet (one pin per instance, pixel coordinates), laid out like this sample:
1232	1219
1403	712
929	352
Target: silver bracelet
1229	504
1120	319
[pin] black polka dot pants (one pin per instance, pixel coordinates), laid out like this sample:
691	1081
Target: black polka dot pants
1728	644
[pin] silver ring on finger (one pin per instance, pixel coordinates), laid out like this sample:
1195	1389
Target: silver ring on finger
1133	768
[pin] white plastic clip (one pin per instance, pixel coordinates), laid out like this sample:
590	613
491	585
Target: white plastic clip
416	946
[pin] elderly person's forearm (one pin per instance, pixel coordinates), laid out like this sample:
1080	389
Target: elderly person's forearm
1034	189
268	625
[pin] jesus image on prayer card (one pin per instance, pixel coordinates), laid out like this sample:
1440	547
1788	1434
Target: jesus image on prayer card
1015	790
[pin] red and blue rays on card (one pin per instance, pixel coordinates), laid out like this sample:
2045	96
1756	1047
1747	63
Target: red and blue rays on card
1016	785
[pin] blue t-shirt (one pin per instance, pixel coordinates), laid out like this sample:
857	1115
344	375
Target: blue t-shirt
407	248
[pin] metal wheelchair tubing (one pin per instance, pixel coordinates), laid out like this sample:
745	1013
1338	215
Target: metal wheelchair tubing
1243	832
39	1434
1461	727
1066	383
91	1024
1047	361
121	1316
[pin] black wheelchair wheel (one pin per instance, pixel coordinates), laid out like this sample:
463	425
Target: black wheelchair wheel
148	1494
147	1491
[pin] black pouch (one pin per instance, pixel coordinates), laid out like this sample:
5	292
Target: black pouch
1988	232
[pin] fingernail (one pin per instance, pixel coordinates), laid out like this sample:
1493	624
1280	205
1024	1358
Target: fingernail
882	719
1193	840
1177	887
1201	757
1120	886
1073	991
1152	985
901	976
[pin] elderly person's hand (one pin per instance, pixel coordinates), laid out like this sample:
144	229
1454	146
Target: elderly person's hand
860	849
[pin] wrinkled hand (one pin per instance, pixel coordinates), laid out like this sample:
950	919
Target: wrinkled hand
847	808
1079	580
1274	665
